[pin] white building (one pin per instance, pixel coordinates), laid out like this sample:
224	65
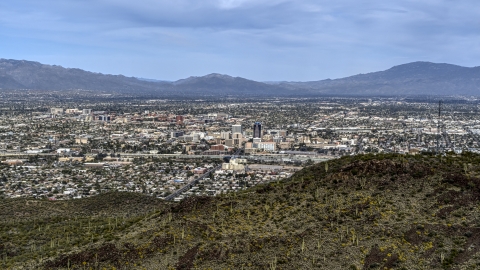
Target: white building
63	150
233	165
267	146
56	111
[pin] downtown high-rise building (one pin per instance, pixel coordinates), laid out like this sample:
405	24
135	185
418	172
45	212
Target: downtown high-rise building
236	129
257	130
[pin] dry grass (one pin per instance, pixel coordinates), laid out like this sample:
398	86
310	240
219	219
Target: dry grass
365	212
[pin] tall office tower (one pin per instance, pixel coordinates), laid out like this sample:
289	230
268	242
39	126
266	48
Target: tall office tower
225	135
236	129
257	130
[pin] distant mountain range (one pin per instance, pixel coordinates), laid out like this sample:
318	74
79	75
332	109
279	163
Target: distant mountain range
417	78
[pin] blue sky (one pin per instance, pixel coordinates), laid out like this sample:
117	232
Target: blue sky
265	40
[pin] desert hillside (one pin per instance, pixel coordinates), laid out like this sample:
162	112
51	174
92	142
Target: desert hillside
362	212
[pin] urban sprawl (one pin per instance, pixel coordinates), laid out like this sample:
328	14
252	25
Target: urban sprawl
56	148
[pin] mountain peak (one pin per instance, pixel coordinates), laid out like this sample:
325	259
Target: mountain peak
425	65
208	77
4	61
218	75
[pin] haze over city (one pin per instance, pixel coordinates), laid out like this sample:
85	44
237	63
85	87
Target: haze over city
267	40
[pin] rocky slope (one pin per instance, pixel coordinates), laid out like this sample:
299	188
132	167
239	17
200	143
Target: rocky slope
363	212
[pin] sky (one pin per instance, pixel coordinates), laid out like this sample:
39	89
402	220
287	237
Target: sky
263	40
